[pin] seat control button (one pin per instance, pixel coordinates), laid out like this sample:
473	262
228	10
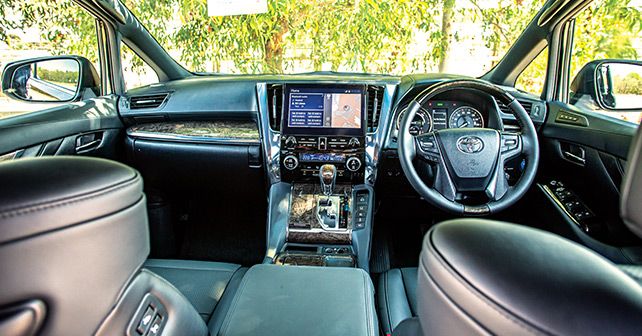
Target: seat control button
155	328
145	321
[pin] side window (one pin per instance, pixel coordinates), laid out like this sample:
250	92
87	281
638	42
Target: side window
532	78
136	72
63	29
607	44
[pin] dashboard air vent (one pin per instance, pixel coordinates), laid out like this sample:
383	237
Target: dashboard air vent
528	106
275	105
375	99
147	102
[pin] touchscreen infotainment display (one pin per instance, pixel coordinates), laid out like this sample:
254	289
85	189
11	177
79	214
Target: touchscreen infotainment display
321	107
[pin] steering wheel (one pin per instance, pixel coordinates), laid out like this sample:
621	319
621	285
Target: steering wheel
469	160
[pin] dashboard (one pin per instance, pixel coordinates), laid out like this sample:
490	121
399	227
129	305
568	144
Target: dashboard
350	120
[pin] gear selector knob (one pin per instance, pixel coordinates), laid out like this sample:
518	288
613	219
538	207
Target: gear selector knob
328	176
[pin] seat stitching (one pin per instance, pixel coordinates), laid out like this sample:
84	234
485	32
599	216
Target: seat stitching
494	306
26	209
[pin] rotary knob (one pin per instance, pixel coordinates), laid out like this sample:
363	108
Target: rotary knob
353	164
290	162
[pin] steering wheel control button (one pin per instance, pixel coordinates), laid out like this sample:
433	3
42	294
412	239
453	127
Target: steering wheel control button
510	142
353	164
290	162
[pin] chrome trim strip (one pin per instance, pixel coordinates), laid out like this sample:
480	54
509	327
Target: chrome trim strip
375	141
191	138
270	139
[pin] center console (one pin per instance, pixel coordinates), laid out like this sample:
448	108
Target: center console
322	155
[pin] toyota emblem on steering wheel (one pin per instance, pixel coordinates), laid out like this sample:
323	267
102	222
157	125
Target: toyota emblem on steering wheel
470	144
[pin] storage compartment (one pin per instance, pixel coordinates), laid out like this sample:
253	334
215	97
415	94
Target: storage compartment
207	201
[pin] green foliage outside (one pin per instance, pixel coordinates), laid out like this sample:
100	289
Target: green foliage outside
629	84
347	35
58	76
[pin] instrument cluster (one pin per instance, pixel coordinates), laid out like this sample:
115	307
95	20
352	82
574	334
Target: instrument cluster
441	114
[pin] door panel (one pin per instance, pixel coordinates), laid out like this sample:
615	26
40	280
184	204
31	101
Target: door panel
90	127
587	154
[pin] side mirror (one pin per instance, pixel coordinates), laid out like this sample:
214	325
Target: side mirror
612	85
51	79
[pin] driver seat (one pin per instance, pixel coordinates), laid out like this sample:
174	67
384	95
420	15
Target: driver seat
480	276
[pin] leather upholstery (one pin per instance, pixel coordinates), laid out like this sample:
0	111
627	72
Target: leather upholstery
397	297
45	194
479	277
631	190
73	233
181	317
302	300
201	282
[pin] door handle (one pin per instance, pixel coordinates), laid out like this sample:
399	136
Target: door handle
89	141
580	159
573	153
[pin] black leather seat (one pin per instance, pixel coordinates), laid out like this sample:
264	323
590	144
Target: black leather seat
397	295
209	286
479	277
73	247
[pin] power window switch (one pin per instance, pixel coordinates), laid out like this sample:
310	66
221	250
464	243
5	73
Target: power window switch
145	321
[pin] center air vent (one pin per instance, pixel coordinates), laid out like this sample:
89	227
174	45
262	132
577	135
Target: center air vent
528	106
275	105
375	99
147	102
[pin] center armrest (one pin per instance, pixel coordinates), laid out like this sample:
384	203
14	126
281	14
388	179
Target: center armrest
302	300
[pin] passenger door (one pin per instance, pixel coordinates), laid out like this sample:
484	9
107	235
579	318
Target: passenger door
586	137
56	105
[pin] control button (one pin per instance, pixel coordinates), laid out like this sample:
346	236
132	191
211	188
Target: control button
290	162
145	321
359	222
323	143
361	214
353	164
509	142
362	207
155	329
354	142
362	199
290	142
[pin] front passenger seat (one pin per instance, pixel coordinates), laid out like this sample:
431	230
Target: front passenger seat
73	238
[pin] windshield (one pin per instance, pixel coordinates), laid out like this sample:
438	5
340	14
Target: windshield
365	36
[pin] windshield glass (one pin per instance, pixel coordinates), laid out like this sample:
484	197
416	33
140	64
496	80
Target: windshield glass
365	36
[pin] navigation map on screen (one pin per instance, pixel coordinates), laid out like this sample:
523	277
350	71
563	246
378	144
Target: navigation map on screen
325	108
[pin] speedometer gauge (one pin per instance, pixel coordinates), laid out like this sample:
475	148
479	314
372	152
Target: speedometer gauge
421	123
466	117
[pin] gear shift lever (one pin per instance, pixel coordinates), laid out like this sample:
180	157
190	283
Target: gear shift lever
327	175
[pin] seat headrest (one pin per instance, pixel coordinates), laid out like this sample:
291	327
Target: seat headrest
631	190
45	194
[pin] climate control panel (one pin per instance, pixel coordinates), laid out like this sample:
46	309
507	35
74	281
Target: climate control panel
302	156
